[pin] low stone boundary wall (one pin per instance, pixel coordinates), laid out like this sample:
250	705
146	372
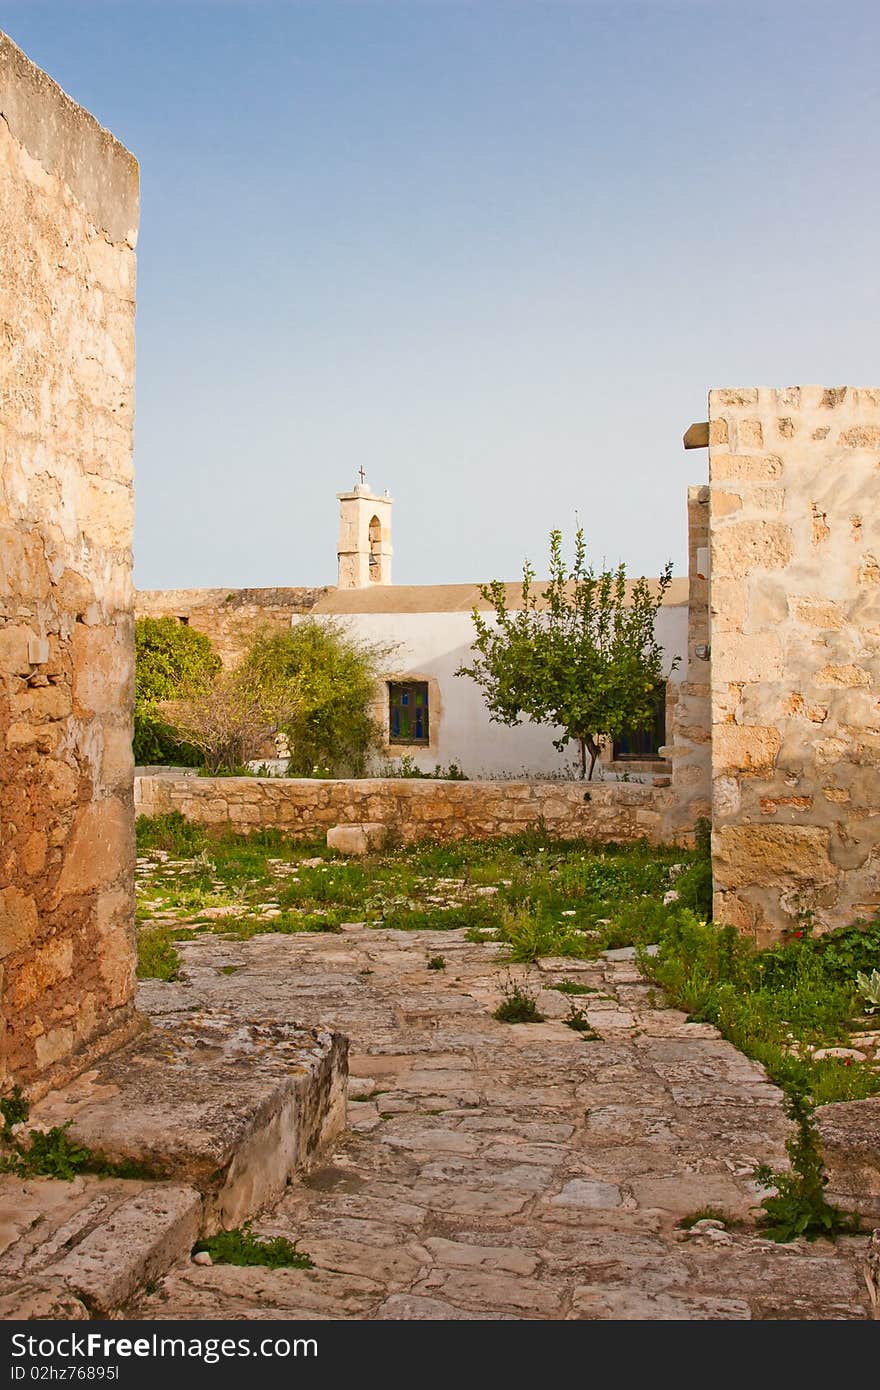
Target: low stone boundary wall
414	809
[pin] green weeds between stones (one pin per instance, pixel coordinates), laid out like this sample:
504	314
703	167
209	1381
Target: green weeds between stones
799	1207
534	897
519	1005
775	1005
240	1247
52	1153
577	1019
436	963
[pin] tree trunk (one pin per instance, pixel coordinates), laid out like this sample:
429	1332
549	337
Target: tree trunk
593	746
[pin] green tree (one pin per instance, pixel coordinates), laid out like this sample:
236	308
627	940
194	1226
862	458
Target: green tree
581	655
328	680
171	661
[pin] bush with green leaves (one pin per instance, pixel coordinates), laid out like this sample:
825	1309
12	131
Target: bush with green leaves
171	660
328	678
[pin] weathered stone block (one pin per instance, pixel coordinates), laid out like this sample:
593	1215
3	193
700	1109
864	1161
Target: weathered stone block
746	855
849	1136
745	467
741	547
748	748
356	839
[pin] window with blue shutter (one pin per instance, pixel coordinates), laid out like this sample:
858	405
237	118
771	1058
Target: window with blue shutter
408	712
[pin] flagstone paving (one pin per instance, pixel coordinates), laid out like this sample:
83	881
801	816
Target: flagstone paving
508	1171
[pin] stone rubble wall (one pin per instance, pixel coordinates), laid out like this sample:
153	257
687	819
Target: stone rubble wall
795	617
691	723
229	617
68	219
412	808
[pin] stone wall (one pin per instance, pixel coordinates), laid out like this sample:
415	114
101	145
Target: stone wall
413	808
68	218
230	617
795	613
692	712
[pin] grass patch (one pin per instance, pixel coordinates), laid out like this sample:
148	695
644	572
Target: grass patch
771	1004
241	1247
157	957
534	895
436	963
572	987
469	916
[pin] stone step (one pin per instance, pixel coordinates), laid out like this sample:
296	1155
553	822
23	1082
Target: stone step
114	1239
232	1108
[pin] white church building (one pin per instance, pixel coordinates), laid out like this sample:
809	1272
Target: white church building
429	715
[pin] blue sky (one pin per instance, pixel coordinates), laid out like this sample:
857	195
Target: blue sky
496	253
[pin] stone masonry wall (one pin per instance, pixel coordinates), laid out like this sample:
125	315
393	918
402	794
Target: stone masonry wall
692	711
795	613
413	808
68	218
230	617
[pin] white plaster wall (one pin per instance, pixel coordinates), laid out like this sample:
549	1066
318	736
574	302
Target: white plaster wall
434	645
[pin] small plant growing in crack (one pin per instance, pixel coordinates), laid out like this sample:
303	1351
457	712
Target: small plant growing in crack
577	1019
436	962
573	987
241	1247
519	1005
799	1206
52	1153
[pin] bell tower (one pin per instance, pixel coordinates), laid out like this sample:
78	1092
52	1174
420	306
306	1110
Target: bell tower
364	550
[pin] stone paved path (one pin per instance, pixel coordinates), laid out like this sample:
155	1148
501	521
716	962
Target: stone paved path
508	1171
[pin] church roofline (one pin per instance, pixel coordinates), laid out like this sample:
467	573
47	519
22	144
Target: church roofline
448	598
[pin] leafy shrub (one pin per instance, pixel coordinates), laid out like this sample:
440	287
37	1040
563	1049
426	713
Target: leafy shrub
328	679
171	659
230	719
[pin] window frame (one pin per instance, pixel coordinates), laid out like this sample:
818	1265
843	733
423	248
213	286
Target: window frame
408	688
657	731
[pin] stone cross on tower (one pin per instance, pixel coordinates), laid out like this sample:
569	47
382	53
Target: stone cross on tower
364	550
